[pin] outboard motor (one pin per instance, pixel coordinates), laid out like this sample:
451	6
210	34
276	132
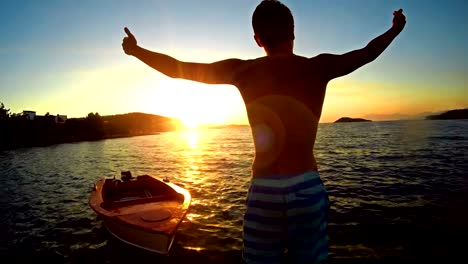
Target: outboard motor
126	176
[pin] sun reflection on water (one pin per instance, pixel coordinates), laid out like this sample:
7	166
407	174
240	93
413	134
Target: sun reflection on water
192	161
204	158
192	138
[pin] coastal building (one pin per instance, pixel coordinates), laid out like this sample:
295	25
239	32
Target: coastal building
60	119
30	115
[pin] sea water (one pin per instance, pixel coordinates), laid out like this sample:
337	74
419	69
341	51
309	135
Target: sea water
398	190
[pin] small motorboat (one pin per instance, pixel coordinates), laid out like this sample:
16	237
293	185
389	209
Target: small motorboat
141	211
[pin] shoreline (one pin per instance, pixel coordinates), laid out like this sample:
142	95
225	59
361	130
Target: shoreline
74	139
78	139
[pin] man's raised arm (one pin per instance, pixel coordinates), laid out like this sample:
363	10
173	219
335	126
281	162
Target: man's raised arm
339	65
220	72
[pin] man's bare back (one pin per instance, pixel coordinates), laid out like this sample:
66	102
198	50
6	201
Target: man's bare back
284	97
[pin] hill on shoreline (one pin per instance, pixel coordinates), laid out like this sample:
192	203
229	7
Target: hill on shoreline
419	116
19	131
452	114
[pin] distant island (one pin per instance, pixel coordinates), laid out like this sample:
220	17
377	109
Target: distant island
452	114
25	130
350	120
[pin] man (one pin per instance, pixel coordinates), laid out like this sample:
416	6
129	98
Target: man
287	203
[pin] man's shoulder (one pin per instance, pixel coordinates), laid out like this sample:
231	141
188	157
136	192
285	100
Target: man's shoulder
286	63
324	58
277	59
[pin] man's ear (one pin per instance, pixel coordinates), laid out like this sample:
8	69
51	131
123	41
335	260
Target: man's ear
257	39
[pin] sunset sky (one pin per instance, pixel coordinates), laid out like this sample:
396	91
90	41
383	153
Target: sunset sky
65	57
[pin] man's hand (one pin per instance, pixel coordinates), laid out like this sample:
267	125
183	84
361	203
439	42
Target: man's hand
129	43
399	20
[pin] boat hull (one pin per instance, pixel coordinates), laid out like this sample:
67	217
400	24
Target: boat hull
143	212
154	242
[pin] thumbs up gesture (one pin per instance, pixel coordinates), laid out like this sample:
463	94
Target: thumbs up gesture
399	20
129	42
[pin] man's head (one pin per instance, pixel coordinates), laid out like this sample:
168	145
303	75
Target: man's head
273	24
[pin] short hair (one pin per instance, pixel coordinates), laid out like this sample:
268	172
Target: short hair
273	23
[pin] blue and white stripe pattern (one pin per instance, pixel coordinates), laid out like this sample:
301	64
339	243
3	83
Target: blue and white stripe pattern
286	213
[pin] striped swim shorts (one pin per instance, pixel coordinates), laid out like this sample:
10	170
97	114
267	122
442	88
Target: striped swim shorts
286	219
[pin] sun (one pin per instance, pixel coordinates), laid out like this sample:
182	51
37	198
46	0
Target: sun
191	122
198	117
197	105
